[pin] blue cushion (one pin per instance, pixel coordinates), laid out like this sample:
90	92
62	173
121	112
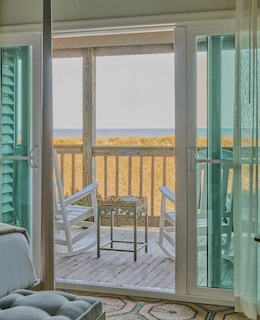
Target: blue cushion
25	304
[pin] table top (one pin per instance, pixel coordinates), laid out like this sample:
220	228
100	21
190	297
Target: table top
129	201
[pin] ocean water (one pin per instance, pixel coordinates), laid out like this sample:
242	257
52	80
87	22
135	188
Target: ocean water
104	133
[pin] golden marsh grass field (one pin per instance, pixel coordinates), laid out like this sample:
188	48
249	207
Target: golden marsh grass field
123	166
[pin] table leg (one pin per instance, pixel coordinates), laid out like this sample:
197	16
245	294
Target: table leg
135	235
146	230
111	228
98	234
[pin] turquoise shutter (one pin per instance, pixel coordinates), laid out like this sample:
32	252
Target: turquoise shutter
8	135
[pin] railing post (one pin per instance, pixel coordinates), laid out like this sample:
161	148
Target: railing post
89	115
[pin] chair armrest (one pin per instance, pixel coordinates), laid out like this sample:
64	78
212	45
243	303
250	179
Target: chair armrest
81	194
168	193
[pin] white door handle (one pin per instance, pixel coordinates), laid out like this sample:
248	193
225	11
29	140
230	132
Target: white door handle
191	152
193	160
32	158
214	161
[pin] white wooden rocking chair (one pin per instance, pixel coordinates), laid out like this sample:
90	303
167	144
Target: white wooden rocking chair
167	222
73	234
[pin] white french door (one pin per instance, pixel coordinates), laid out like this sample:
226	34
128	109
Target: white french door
20	135
205	73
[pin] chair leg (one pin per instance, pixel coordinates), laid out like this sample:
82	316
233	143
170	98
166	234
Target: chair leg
162	218
167	252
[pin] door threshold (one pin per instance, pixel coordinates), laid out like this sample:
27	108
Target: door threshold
137	291
102	287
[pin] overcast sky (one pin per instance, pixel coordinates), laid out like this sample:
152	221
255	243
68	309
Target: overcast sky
134	91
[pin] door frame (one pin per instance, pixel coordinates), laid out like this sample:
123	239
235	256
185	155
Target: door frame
34	42
186	103
185	91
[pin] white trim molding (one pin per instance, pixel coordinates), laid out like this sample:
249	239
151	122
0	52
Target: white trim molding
123	25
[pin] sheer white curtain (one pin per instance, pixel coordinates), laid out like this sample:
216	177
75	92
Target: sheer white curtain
246	155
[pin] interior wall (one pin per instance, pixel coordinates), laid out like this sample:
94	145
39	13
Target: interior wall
15	12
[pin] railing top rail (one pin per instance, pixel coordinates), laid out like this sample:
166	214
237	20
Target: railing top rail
61	148
132	151
121	150
117	151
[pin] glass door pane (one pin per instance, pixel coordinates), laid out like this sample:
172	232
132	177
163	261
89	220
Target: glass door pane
16	136
214	154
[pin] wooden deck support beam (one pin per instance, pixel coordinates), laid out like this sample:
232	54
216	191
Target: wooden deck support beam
89	114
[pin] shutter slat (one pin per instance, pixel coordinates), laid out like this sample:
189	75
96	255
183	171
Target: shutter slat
7	178
7	90
8	119
7	60
7	150
7	188
8	168
8	129
7	139
8	208
7	110
7	100
7	197
8	81
7	71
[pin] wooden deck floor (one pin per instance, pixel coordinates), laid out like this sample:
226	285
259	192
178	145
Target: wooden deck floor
151	270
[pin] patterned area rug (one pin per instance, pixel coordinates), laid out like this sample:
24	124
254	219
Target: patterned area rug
133	308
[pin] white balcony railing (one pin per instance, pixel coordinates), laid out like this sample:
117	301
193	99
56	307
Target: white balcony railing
121	171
